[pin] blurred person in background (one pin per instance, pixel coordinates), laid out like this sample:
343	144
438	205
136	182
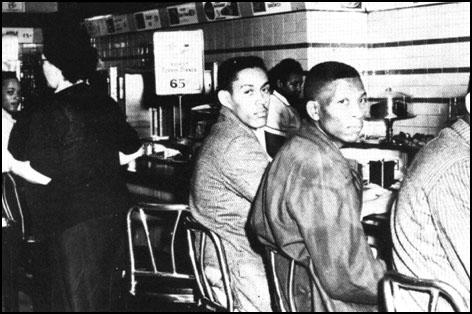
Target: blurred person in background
11	101
283	119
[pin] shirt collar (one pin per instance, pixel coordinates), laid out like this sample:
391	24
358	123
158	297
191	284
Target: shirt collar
281	98
7	115
462	128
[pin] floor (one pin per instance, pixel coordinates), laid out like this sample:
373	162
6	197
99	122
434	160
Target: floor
132	304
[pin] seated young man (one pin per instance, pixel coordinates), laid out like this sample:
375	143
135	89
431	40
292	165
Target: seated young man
309	203
227	174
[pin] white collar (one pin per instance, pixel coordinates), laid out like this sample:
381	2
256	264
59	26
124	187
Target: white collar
260	135
7	115
281	98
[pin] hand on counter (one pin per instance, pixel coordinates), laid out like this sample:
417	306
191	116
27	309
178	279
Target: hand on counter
376	200
126	159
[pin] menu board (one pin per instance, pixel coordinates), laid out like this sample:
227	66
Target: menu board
182	14
263	8
13	7
179	63
215	11
147	20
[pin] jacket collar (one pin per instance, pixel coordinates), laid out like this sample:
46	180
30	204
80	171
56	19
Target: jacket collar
313	133
228	115
6	115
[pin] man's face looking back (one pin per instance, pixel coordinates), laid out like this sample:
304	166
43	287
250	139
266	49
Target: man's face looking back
249	97
342	109
292	87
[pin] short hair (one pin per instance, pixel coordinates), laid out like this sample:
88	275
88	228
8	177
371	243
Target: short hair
229	69
283	70
68	47
324	73
8	76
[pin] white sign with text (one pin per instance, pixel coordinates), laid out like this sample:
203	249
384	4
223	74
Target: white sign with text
179	64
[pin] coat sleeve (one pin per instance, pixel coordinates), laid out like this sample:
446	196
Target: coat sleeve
326	214
127	138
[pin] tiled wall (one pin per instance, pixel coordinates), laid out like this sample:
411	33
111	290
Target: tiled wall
421	51
428	49
272	38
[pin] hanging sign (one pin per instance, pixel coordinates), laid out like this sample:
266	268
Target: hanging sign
25	35
147	20
13	7
263	8
183	14
120	23
179	64
215	11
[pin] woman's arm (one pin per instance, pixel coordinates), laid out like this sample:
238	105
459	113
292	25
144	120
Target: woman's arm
24	170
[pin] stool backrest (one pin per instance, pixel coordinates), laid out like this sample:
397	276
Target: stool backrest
277	284
152	238
12	209
199	237
393	282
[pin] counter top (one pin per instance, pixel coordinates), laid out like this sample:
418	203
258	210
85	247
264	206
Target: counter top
160	180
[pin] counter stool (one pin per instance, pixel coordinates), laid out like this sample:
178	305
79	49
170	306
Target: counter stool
288	303
393	282
159	265
26	248
198	236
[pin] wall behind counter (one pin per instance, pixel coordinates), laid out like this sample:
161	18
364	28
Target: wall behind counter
422	51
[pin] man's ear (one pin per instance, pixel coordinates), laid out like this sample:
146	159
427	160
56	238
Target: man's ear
279	84
224	97
313	109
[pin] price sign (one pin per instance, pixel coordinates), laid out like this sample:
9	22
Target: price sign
179	64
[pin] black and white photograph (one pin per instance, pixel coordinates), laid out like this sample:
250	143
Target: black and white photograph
235	156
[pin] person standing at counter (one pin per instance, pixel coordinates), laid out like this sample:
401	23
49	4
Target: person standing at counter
227	174
309	203
75	140
286	80
431	223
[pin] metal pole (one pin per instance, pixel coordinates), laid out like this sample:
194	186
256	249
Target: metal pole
180	117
